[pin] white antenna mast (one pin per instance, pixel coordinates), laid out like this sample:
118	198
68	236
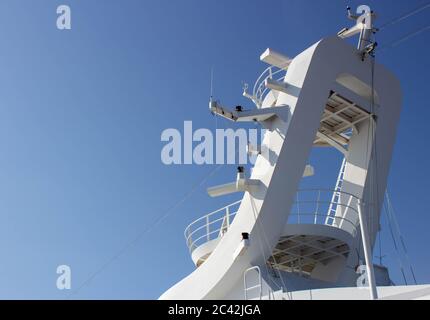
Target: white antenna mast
364	26
211	102
212	84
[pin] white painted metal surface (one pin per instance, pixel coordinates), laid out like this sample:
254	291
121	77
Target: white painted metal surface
367	252
325	96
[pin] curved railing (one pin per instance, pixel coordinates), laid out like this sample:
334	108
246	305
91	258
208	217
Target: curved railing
312	206
210	226
312	218
318	206
259	90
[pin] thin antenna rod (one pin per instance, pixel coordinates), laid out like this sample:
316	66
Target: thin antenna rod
212	83
211	97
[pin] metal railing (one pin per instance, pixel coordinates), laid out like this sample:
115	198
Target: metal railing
310	207
211	226
313	206
259	90
258	286
312	218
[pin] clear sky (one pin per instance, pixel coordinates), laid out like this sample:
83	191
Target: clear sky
82	111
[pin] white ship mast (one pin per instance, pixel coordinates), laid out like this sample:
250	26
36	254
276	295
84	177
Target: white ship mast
280	242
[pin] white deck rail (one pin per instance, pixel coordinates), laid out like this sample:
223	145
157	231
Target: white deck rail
260	90
258	286
210	226
312	206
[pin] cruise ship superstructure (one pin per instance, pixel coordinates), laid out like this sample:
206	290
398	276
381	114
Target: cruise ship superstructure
281	242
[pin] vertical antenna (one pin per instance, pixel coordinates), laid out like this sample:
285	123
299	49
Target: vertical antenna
211	96
212	83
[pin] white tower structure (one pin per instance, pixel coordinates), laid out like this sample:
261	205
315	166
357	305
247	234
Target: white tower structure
280	242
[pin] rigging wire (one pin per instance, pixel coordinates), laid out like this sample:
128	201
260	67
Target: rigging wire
171	209
406	37
396	248
258	225
404	16
392	222
370	147
388	46
380	249
396	224
387	205
374	196
140	235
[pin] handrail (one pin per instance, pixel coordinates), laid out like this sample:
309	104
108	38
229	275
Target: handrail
209	224
212	213
327	190
352	224
215	224
257	286
331	205
192	242
260	90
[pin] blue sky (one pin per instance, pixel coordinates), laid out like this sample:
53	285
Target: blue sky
82	111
